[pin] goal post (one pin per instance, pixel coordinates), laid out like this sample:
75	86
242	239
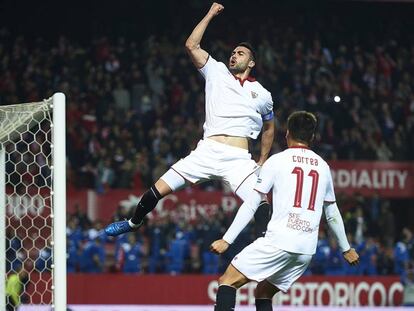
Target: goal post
2	230
33	200
59	198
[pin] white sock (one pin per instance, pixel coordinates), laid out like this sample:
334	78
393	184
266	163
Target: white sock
132	225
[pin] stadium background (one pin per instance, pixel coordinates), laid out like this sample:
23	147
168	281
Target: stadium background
135	106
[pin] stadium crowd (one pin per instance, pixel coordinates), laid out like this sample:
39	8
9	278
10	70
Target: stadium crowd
136	106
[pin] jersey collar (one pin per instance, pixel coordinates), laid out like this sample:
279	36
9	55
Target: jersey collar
299	147
249	78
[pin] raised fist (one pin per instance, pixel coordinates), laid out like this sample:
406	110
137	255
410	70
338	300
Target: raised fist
219	246
216	9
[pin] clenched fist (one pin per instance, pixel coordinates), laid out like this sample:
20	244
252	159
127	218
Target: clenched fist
215	9
219	246
351	256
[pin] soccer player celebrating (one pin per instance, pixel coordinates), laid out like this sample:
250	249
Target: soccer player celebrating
236	108
302	188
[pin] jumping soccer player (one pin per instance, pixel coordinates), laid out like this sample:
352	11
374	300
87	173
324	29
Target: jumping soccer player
237	107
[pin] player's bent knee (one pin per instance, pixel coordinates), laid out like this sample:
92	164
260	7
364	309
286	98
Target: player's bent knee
233	277
169	182
265	290
162	187
223	280
237	283
227	279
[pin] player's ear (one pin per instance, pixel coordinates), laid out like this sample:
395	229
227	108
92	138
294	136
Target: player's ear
287	134
251	64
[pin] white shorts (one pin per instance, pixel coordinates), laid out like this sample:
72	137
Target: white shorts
214	160
263	261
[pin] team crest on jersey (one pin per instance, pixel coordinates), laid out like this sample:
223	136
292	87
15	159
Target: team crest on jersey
254	94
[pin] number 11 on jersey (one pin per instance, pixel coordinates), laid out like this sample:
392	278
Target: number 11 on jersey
298	171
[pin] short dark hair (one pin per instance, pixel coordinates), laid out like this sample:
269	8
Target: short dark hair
302	126
248	46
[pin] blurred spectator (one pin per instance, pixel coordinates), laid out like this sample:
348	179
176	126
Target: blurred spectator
385	261
334	262
387	224
210	263
360	226
105	176
129	255
43	262
74	232
15	287
73	257
368	250
319	263
81	218
93	255
208	231
122	98
401	252
178	252
157	232
13	252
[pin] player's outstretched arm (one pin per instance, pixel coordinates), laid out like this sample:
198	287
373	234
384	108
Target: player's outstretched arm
267	140
198	55
336	224
243	217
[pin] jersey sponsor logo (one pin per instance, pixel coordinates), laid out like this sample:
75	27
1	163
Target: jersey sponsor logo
259	180
254	94
296	223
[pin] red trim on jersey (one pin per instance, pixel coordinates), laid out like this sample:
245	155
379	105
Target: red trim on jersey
249	78
208	57
235	191
296	147
258	191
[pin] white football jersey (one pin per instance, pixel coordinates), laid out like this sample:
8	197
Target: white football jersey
301	182
233	107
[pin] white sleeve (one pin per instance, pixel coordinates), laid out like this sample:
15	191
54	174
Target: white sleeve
267	108
209	67
244	215
330	192
266	178
336	224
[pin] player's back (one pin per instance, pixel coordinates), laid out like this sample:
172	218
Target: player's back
301	183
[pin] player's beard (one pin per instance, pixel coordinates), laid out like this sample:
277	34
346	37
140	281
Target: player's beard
238	68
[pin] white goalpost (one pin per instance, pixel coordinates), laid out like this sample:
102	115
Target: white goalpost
33	202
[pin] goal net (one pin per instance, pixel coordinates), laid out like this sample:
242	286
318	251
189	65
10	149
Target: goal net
33	204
